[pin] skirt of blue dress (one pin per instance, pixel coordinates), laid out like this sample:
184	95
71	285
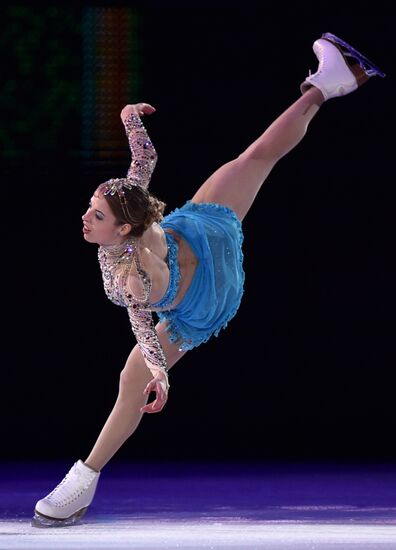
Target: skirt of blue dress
214	233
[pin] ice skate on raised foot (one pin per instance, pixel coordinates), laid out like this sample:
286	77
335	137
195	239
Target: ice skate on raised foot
69	501
342	69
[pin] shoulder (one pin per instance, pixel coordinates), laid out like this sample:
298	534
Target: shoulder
154	242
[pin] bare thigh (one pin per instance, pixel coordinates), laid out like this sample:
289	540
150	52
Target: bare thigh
236	183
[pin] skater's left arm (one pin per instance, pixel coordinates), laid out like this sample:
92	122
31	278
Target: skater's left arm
144	155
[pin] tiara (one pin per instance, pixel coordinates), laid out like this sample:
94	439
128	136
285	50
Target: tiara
117	185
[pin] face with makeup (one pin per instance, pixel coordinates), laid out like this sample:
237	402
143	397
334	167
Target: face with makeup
100	224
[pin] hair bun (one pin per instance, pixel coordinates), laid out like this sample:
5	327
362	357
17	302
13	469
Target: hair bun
154	211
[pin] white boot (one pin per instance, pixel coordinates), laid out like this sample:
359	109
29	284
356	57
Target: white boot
333	78
69	501
342	69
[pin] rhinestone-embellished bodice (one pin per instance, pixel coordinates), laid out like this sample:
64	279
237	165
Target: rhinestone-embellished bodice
116	264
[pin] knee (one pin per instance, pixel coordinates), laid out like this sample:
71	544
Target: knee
248	160
258	153
257	163
132	378
126	380
241	164
250	164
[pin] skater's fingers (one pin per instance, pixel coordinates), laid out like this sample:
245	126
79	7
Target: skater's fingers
149	388
151	408
161	396
146	108
158	386
157	405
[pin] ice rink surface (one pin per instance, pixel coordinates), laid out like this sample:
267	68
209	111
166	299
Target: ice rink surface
213	506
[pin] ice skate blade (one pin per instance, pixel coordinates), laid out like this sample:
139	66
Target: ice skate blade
45	522
348	51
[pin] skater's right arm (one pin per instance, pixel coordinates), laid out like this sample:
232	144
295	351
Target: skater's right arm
150	347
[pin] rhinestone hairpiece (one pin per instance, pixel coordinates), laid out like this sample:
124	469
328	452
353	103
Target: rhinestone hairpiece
117	185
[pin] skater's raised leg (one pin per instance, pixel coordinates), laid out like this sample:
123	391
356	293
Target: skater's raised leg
342	69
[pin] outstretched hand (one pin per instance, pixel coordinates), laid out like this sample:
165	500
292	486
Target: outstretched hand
139	109
159	386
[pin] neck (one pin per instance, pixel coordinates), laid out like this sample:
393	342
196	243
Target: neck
120	245
146	238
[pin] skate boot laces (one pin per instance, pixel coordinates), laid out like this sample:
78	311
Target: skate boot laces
74	484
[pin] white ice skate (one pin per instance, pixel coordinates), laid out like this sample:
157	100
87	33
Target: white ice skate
342	69
69	501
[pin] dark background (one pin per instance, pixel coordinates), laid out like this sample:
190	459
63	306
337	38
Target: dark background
306	368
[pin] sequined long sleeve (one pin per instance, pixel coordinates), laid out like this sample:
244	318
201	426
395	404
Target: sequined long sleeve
144	156
147	338
118	263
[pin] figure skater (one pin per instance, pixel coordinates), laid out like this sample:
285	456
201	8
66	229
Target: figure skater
187	266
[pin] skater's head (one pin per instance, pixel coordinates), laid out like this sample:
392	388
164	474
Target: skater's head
118	211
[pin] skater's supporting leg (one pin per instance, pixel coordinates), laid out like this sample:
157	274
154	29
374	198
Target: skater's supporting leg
70	499
126	414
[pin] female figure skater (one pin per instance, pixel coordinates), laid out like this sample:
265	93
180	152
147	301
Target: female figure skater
187	267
